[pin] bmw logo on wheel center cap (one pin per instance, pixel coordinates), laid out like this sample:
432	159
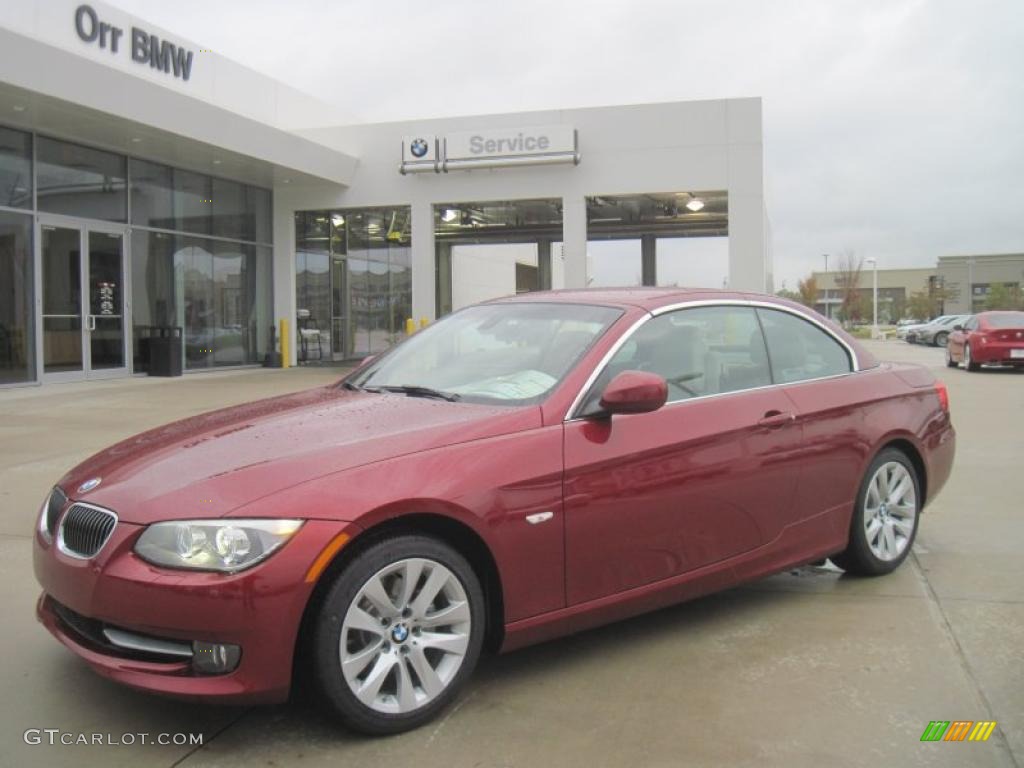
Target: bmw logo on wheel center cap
89	484
400	633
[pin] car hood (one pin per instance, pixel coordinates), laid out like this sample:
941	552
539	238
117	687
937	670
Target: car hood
209	465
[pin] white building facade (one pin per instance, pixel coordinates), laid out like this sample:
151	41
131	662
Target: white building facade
150	187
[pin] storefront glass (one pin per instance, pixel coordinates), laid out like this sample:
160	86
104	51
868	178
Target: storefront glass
17	340
353	281
80	181
15	169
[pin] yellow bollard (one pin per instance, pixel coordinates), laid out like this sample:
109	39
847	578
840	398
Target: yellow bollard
424	322
410	326
286	359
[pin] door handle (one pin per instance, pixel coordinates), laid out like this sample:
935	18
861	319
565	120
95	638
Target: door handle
774	419
91	324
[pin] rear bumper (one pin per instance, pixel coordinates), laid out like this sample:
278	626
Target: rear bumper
997	353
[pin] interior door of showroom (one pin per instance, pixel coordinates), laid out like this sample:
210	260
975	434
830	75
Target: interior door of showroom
83	305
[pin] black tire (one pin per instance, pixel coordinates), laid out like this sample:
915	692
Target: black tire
857	558
969	364
328	628
940	339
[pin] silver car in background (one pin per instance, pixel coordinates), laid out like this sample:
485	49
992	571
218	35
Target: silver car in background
936	332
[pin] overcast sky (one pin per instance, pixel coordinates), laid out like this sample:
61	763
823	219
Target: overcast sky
892	128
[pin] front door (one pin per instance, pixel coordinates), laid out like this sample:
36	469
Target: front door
709	476
83	308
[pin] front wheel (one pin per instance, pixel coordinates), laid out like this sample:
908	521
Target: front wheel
885	517
399	633
941	339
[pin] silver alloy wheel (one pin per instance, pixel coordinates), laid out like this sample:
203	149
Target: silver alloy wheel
890	509
405	635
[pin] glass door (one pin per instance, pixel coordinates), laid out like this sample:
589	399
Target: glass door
82	270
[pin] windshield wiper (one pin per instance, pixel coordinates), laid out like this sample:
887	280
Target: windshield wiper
415	391
353	387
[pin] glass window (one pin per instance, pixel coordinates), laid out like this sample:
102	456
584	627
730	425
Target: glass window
80	181
1003	320
800	350
193	198
700	351
152	195
233	214
494	353
17	308
15	169
156	289
262	212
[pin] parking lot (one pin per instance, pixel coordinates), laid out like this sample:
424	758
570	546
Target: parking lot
808	668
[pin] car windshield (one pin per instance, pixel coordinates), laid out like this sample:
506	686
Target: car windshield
505	353
1005	320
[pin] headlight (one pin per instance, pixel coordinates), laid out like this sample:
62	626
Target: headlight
50	512
224	545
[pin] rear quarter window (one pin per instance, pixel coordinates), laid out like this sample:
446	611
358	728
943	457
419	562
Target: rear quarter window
799	350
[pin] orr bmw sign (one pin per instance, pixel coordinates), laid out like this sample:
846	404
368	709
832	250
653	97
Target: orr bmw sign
496	148
143	48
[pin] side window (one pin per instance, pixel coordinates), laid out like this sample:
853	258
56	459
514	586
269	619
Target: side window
971	324
800	350
699	351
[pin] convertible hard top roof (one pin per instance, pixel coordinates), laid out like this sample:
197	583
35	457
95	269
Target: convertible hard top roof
648	298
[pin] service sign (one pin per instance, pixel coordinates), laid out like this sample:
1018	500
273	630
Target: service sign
511	142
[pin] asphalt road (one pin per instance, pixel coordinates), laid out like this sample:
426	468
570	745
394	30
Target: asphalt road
803	669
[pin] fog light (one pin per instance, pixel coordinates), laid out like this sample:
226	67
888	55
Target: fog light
214	658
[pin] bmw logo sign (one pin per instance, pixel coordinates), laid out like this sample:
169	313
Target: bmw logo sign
419	147
88	485
400	633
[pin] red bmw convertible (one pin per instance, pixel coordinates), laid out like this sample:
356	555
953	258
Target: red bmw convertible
522	469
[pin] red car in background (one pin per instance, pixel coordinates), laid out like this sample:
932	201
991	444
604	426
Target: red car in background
522	469
987	338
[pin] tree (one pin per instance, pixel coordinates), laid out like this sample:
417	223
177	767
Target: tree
785	293
1004	296
848	280
808	290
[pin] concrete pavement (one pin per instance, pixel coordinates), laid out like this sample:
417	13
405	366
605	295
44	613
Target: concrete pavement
803	669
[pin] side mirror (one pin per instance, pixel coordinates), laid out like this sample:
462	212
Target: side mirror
634	392
958	327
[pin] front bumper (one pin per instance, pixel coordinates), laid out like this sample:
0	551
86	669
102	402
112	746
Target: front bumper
259	609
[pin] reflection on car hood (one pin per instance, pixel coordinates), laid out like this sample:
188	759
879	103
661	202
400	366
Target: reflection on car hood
211	464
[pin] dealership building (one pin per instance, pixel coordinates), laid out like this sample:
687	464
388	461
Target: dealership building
147	184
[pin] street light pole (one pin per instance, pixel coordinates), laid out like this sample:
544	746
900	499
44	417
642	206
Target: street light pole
828	306
874	296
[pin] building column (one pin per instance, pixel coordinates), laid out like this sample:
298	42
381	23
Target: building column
544	265
648	260
574	241
284	270
424	281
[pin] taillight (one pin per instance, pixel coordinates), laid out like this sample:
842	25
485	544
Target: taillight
943	393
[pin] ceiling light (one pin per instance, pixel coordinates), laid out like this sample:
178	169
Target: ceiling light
449	215
18	107
286	181
136	139
216	162
337	220
695	204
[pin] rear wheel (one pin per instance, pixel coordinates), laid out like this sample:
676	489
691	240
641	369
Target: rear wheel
885	517
941	339
398	634
969	364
